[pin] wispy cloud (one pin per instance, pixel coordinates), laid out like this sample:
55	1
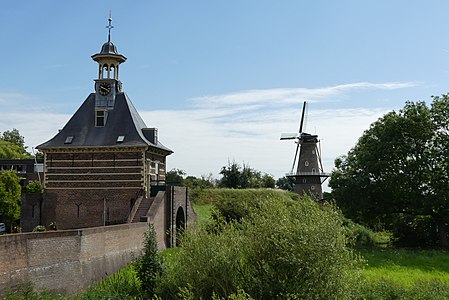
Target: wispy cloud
285	96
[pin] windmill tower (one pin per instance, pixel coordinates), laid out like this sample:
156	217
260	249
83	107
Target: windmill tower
308	175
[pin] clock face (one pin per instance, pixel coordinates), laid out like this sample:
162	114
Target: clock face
104	88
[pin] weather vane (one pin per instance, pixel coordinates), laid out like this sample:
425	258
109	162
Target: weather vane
109	27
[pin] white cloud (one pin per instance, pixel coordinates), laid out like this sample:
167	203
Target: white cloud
283	96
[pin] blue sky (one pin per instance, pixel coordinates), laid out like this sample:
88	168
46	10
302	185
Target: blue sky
222	79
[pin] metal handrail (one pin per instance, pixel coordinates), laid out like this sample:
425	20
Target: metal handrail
321	174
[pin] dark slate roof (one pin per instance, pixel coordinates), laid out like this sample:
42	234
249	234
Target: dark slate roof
123	120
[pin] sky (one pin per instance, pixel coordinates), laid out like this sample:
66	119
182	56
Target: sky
221	80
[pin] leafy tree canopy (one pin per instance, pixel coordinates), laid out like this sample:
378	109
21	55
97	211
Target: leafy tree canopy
9	196
399	169
285	183
12	145
234	176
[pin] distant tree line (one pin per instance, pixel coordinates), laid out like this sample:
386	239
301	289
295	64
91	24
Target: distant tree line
232	176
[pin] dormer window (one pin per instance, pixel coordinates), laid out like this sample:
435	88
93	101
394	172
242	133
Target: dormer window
100	118
120	139
69	139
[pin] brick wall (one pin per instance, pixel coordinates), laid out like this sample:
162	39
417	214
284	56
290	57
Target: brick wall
87	208
67	261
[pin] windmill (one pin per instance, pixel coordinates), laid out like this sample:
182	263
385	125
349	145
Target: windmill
308	175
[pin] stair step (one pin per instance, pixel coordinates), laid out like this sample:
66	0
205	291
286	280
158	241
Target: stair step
142	210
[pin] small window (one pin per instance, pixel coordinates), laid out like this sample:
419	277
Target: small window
100	118
38	168
69	139
304	180
120	139
312	187
306	163
313	170
313	151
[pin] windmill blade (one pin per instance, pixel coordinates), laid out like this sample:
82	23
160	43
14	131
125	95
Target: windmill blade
289	136
294	159
302	117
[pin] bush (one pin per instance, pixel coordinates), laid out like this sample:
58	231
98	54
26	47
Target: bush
280	249
360	236
149	266
39	228
121	285
34	187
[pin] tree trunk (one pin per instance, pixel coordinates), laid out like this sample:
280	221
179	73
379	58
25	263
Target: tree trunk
442	230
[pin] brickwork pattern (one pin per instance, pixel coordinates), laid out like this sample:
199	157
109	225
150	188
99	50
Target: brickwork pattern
67	261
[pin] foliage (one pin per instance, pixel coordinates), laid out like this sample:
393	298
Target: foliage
236	177
122	285
34	187
28	292
285	183
149	266
39	228
399	167
204	182
178	177
175	177
9	196
12	145
281	249
360	236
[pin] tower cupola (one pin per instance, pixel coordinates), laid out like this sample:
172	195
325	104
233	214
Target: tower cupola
107	85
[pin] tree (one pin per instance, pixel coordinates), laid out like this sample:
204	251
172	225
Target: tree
398	170
149	266
285	183
204	182
9	197
13	137
175	177
234	176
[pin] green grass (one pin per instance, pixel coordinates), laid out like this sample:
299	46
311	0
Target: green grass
406	266
405	274
211	196
203	213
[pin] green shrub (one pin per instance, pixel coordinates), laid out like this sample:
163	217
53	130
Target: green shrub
149	266
280	249
360	236
34	187
39	228
121	285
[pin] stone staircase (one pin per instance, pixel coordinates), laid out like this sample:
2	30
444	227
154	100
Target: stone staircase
142	210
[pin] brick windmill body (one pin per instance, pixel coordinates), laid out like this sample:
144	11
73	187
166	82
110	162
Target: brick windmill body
307	170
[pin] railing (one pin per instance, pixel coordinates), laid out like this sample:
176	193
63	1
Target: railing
132	213
321	174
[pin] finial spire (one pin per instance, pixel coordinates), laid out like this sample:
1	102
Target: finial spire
109	27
